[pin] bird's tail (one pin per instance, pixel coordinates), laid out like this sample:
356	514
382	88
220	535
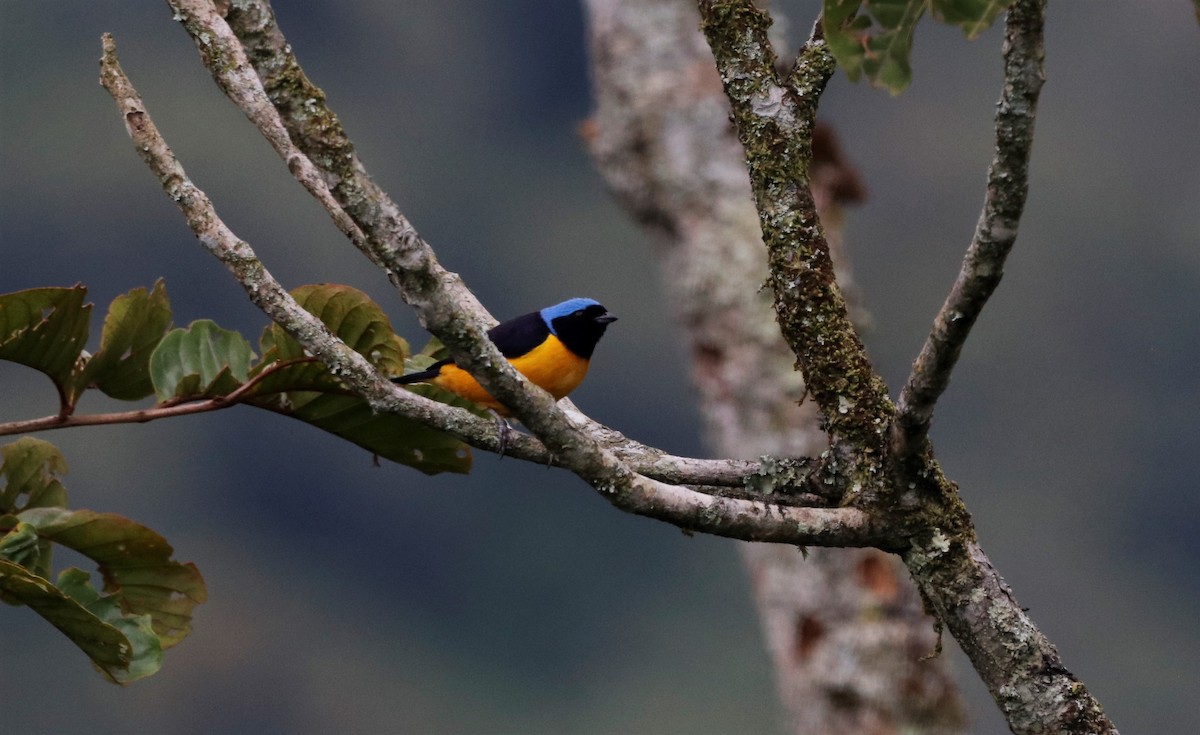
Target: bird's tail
422	377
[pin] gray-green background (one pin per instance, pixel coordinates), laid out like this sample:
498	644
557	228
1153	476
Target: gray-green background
350	598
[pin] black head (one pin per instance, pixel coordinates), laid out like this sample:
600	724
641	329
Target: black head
578	323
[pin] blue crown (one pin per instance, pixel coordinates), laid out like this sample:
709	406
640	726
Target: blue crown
570	306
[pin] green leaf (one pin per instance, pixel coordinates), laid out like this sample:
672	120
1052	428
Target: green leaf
203	360
436	350
149	597
973	16
145	648
353	317
135	562
31	467
20	545
30	470
45	329
135	324
348	313
387	435
292	384
875	37
106	645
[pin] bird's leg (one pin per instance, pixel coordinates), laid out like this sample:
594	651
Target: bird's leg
503	430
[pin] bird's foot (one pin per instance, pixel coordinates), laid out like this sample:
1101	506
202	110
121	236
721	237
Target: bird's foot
504	431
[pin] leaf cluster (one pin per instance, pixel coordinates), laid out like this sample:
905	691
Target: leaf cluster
146	600
140	355
146	603
874	38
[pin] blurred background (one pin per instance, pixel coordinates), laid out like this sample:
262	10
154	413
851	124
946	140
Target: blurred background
351	598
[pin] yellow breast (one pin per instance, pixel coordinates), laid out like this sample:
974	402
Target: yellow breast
550	366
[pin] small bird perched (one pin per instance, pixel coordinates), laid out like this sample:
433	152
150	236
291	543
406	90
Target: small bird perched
551	347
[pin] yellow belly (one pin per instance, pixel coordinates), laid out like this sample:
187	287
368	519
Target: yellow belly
550	366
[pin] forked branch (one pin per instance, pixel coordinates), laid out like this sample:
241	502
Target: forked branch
901	481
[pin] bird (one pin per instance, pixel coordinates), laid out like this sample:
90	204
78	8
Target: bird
551	347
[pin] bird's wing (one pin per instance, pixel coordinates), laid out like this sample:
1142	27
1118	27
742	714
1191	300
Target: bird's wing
517	336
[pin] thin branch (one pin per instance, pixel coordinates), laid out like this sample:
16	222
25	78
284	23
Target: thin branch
983	266
774	122
165	409
682	506
284	100
709	476
442	302
139	416
318	134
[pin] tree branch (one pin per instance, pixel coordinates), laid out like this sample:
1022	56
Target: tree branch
139	416
443	303
166	409
684	507
774	123
768	482
1021	668
292	115
1019	665
983	266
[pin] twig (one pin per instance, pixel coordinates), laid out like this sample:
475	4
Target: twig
166	409
734	517
140	416
983	266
